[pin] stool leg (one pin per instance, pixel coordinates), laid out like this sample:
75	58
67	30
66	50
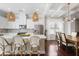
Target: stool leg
31	53
38	54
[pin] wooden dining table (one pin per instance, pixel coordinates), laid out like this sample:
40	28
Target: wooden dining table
74	40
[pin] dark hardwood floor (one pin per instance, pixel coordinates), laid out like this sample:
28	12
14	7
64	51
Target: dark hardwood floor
52	49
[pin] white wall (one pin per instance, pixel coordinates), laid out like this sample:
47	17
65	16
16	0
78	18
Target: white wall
3	22
67	28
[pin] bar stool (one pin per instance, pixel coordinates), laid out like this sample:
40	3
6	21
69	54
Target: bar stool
27	46
7	47
34	42
19	48
1	46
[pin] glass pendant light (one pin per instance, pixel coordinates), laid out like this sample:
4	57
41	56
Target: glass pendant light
68	18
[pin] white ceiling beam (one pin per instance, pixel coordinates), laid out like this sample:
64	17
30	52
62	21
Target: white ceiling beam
60	7
47	8
72	6
61	13
58	10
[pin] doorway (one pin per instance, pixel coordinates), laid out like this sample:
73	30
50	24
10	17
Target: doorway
53	26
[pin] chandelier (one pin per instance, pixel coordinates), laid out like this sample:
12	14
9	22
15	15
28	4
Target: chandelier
68	18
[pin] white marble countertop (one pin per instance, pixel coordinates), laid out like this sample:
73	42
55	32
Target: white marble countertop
40	36
11	35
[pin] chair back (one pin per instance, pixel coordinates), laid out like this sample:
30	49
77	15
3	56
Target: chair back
2	45
18	40
34	41
63	37
74	34
3	41
57	36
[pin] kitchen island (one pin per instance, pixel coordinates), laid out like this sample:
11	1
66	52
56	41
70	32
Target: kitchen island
9	39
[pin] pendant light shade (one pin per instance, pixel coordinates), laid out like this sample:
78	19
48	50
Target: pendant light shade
35	16
10	16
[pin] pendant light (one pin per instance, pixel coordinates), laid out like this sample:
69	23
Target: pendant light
35	16
68	18
10	15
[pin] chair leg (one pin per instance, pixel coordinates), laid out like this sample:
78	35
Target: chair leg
30	54
38	54
66	47
20	53
3	53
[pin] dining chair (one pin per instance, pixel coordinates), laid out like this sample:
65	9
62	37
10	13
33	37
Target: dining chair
19	47
34	42
65	41
74	36
58	39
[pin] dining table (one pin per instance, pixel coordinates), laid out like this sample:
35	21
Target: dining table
74	40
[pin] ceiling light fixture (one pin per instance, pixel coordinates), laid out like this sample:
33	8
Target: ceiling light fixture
35	16
68	18
10	16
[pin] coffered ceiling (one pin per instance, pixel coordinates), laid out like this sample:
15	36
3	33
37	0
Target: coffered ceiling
48	9
61	9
